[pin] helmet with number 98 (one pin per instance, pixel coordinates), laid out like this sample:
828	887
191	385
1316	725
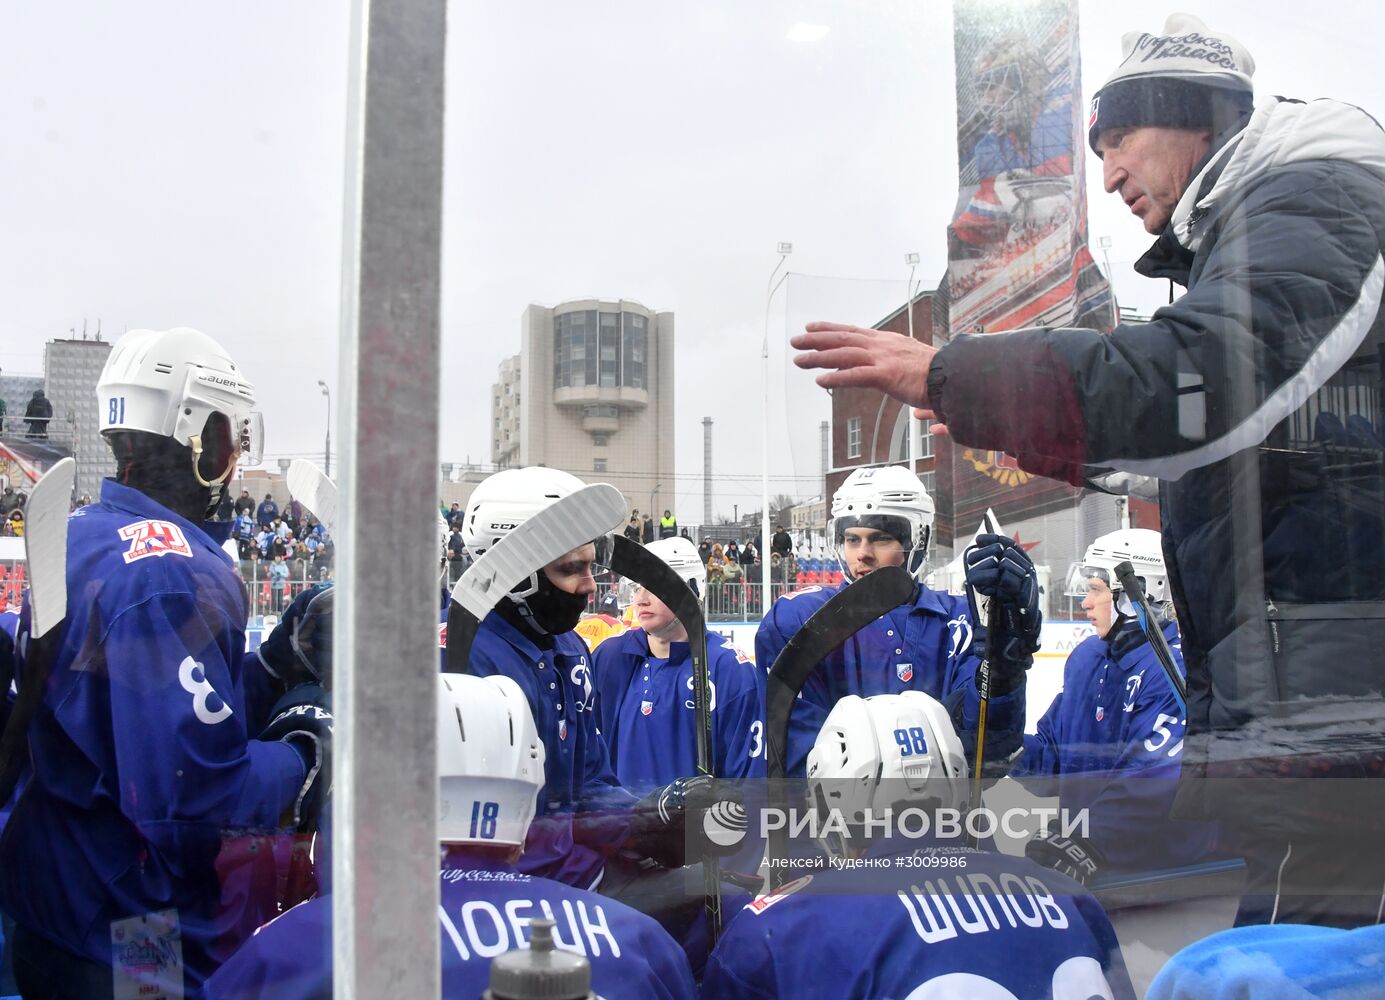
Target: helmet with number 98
1141	547
680	554
890	499
886	752
181	384
490	761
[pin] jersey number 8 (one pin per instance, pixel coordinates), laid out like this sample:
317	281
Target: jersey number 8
911	741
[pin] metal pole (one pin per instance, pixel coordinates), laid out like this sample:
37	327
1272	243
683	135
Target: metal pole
385	811
910	424
784	250
327	446
706	470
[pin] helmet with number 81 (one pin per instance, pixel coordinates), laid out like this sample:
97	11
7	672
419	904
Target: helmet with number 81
164	393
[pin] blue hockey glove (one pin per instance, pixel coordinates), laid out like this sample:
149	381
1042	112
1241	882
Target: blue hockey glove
302	718
689	817
1073	856
299	650
999	570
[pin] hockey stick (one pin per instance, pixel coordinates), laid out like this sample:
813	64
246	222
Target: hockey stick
855	607
564	525
45	552
1130	583
633	560
983	676
311	487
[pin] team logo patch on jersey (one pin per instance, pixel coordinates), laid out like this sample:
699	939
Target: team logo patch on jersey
442	635
1100	713
562	729
740	656
904	671
646	707
1132	688
959	635
154	538
762	903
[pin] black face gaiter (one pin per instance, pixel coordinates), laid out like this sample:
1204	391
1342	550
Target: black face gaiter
554	609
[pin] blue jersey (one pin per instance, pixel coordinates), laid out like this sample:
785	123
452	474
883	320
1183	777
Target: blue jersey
1288	960
925	645
644	706
485	912
1112	743
143	766
582	810
993	925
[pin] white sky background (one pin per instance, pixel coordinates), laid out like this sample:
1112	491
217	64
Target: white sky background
172	164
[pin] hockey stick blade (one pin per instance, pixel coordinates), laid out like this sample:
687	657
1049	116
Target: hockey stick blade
564	525
311	487
849	611
45	546
631	559
45	552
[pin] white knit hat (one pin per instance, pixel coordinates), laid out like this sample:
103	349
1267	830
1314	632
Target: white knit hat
1184	78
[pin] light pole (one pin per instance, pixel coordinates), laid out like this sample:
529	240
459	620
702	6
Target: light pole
655	490
784	249
911	425
1103	243
327	446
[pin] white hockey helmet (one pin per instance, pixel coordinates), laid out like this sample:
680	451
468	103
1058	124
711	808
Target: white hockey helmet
887	498
680	554
886	752
506	500
170	383
1139	546
490	761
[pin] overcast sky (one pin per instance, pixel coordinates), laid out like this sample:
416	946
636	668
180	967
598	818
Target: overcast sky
168	163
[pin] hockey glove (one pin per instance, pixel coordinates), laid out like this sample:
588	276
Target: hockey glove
1075	857
303	719
299	650
999	570
690	817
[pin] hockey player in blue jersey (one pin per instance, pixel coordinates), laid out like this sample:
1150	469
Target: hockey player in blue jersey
587	821
644	683
896	913
146	758
1112	740
491	770
884	517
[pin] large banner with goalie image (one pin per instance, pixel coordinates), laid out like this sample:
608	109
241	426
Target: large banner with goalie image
1017	245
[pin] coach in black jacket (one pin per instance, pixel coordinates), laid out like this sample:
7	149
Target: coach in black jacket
1256	401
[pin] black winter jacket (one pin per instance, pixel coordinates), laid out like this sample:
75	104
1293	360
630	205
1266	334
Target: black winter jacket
1256	401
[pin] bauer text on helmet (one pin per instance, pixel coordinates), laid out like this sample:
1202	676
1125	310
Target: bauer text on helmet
182	385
